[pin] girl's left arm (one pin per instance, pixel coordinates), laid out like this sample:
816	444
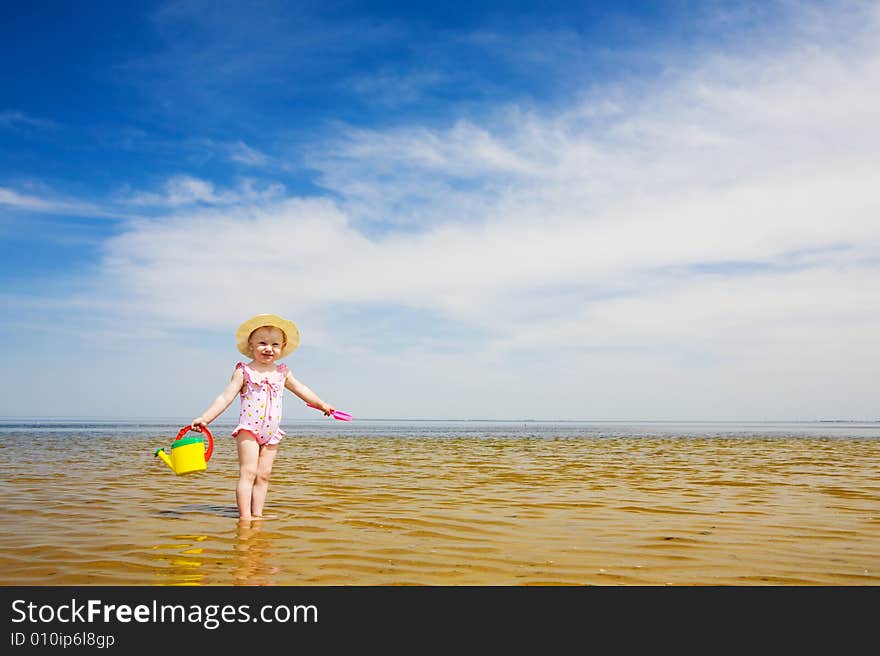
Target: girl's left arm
306	394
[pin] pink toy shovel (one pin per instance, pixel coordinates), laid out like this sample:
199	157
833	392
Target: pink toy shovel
336	414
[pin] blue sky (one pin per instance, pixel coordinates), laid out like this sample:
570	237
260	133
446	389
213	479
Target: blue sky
617	211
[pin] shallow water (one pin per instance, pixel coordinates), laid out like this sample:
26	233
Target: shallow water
449	503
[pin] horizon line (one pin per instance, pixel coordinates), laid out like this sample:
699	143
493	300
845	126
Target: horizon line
177	419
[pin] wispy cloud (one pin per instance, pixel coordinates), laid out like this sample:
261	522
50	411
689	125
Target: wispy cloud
394	87
226	48
185	190
15	120
48	203
243	154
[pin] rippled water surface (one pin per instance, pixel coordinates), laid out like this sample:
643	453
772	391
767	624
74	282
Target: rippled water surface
449	503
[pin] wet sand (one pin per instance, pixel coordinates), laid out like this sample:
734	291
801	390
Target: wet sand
458	511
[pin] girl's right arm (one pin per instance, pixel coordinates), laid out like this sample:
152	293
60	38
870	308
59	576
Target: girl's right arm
221	402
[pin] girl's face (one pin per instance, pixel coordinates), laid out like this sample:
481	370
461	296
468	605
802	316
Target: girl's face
266	344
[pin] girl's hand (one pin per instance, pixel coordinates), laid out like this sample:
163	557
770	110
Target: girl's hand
323	407
198	421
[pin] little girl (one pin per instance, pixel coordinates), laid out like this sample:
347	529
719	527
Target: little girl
260	383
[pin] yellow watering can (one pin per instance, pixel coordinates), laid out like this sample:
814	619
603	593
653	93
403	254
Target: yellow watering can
188	454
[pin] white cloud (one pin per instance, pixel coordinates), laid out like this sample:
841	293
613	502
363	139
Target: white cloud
746	159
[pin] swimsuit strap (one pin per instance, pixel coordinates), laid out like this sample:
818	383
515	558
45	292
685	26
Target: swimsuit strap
240	365
248	381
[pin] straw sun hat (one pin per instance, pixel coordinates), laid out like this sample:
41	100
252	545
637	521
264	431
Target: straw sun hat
291	333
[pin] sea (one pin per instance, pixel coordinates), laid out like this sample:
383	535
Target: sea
386	502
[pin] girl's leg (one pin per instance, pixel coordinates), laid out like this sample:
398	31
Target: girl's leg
261	485
248	455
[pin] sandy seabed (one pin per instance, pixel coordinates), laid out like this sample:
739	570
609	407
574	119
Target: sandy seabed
362	511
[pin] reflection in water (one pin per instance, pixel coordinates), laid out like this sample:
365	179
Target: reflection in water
255	563
183	561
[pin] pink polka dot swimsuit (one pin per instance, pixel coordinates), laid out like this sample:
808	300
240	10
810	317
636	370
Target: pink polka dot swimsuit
261	404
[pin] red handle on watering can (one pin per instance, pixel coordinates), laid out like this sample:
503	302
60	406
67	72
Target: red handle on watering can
209	449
